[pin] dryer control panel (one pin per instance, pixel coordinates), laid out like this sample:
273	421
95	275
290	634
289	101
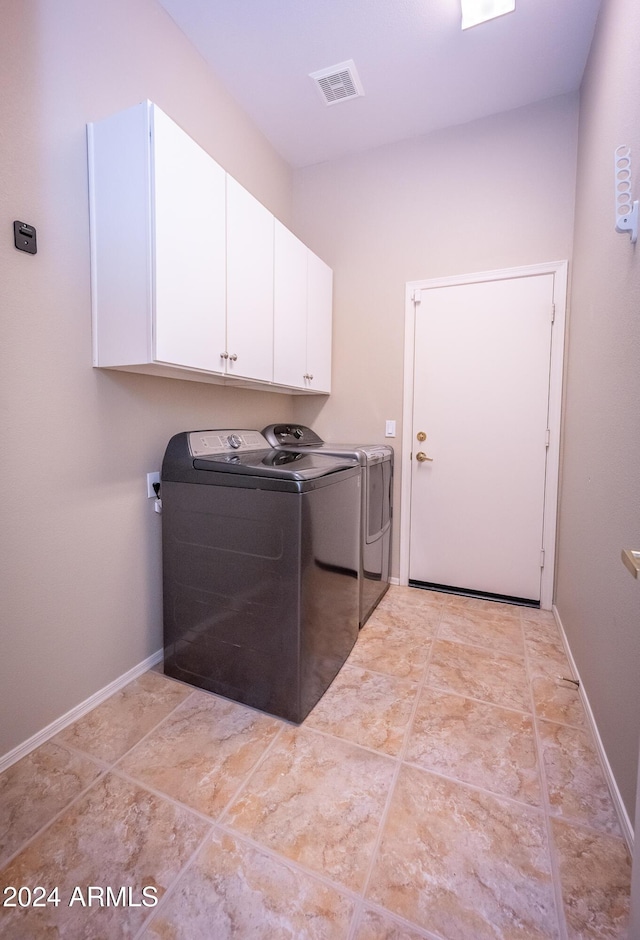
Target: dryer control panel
227	441
296	435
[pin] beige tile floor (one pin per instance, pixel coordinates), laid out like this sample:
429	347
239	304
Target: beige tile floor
446	786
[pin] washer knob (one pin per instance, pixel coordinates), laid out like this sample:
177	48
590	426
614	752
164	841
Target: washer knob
234	441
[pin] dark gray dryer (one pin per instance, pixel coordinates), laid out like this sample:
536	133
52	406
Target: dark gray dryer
376	461
260	568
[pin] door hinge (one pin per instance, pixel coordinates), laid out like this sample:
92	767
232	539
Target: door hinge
542	558
417	296
547	437
553	313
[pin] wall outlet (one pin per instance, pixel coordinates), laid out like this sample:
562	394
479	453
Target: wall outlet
151	479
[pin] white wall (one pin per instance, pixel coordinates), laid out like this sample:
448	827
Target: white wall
492	194
81	591
598	600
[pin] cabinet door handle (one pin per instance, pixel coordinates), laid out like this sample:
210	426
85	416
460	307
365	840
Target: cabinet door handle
224	355
233	357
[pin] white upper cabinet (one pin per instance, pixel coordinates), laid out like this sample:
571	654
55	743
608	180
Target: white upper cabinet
303	287
158	244
191	276
249	285
289	308
189	256
319	322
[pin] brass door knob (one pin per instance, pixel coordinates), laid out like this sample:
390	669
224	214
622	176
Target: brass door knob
421	456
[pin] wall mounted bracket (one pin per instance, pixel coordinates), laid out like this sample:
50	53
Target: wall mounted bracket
631	561
626	207
24	237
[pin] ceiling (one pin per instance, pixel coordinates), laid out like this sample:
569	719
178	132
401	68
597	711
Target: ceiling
419	71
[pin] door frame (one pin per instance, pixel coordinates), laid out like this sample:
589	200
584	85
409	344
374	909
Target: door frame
560	270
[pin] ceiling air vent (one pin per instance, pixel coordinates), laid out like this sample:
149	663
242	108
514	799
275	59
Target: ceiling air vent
338	83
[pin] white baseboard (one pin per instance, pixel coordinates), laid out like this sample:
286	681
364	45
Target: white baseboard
623	816
78	711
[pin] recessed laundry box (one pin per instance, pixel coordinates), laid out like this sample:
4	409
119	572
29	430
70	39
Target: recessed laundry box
260	568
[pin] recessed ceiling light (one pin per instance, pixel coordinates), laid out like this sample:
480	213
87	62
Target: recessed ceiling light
479	11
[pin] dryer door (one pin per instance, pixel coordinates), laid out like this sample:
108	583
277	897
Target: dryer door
378	500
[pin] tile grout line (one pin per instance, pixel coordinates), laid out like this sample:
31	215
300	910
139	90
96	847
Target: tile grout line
172	887
546	804
357	914
292	863
297	866
585	732
161	795
540	811
479	701
477	788
349	741
387	807
226	827
213	823
421	685
105	768
241	786
79	796
484	649
211	820
423	932
111	764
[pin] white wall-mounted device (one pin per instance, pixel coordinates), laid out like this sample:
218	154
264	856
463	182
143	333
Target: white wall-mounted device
626	207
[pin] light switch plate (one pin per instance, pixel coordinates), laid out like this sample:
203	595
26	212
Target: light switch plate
390	429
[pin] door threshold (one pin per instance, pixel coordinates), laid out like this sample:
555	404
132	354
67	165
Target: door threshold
480	595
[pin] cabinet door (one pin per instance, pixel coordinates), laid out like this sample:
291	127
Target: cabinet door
121	247
289	309
249	285
319	322
189	262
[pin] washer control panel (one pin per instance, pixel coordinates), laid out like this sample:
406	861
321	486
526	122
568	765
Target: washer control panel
227	441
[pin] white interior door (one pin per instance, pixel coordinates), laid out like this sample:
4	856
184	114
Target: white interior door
481	397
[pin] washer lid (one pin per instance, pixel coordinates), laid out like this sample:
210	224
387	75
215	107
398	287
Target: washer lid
275	464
